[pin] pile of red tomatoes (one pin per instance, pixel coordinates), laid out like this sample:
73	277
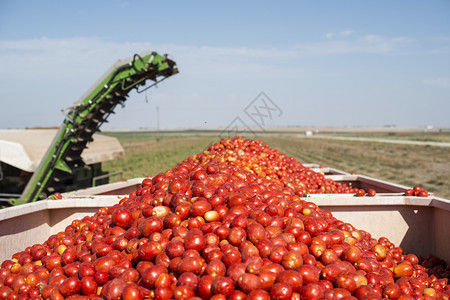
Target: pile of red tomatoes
228	223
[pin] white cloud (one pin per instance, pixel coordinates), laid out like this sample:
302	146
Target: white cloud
403	40
49	58
48	74
346	32
373	44
81	51
43	75
123	4
329	35
440	81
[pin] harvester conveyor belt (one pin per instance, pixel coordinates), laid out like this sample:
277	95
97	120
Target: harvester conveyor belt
86	116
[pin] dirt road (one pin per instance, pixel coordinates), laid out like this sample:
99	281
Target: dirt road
390	141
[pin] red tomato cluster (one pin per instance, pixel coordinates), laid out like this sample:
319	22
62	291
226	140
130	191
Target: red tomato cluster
416	191
228	223
270	164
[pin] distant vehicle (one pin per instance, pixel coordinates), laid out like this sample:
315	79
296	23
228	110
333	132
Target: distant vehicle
22	150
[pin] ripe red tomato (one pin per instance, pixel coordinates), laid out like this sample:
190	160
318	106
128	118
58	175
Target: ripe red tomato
360	192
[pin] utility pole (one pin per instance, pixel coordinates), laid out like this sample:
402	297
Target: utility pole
157	118
157	124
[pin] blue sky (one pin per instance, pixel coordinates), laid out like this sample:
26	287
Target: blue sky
323	63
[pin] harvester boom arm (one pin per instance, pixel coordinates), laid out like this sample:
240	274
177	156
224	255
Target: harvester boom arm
86	116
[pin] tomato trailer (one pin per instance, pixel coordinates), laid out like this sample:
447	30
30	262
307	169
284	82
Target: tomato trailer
417	224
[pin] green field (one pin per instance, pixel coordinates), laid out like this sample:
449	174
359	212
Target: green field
148	153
